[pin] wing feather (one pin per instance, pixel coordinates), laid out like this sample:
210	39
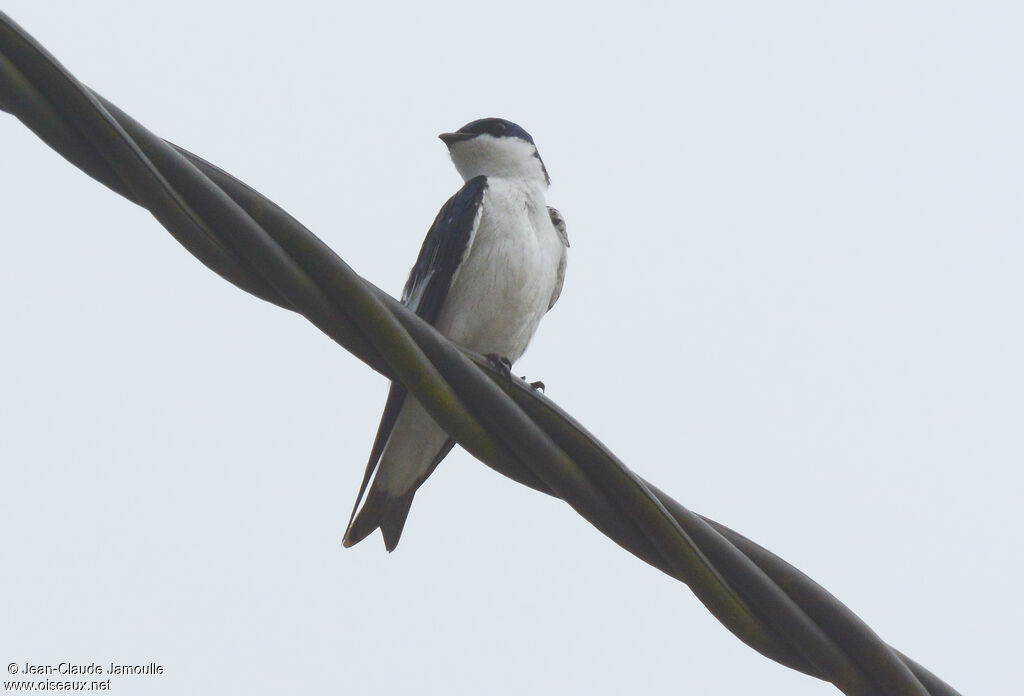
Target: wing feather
446	245
559	223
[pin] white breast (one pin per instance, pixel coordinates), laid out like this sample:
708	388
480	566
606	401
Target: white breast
503	287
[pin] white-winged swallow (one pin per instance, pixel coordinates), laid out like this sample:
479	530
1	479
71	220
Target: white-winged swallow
491	266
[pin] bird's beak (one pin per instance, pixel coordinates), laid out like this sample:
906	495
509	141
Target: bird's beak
450	139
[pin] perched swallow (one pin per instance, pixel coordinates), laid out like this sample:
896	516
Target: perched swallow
491	266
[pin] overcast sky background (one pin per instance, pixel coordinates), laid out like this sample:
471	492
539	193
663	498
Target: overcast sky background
793	301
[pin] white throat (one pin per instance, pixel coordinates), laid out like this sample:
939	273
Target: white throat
506	158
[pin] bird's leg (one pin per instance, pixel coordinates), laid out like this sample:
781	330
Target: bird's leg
504	365
501	364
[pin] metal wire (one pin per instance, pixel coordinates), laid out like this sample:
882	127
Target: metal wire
252	243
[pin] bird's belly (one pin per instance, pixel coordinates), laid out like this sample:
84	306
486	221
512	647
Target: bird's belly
501	292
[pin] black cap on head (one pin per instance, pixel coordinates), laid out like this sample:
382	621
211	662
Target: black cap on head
498	127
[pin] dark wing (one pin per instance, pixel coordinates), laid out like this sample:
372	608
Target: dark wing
559	223
446	245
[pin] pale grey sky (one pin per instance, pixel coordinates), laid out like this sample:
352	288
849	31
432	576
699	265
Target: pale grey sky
793	301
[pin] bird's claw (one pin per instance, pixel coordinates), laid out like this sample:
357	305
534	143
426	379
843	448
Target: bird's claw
504	366
501	364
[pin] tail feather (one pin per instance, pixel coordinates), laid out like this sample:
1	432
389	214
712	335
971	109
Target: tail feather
408	447
384	511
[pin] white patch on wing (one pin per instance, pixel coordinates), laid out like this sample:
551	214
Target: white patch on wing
416	296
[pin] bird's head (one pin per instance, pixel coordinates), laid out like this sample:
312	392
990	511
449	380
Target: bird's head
495	147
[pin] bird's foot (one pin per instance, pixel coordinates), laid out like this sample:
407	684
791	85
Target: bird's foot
501	364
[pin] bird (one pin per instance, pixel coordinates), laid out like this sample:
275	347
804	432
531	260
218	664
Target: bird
491	266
